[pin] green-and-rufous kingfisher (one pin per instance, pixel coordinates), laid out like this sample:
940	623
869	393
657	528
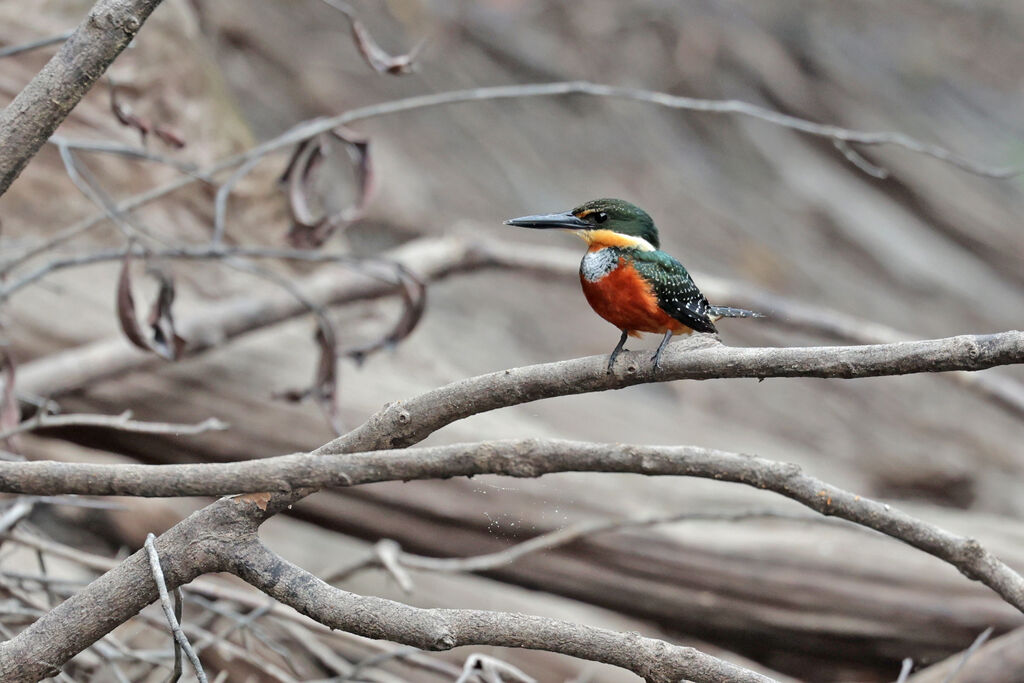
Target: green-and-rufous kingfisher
628	280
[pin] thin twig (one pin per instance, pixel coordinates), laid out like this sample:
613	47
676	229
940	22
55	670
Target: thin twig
387	551
221	200
12	50
119	149
313	127
122	422
177	671
165	601
523	458
978	642
16	512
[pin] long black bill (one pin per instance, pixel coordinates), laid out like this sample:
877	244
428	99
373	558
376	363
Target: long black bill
551	220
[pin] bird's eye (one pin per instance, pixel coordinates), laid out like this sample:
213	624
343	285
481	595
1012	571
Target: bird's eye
600	217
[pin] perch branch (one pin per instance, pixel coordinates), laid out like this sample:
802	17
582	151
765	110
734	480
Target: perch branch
210	539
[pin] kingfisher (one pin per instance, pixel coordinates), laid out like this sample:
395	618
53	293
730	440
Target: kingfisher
628	280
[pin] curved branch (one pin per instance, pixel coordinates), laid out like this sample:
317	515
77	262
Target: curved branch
522	458
1003	391
443	629
407	422
307	129
27	122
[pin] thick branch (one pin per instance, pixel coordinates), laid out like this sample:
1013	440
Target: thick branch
444	629
1004	392
528	458
406	422
27	122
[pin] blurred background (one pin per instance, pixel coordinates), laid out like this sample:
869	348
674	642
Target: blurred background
931	251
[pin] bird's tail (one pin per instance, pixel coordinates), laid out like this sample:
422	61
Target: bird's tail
727	312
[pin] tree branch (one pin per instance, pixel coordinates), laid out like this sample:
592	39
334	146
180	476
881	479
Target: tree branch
122	422
204	542
443	629
699	357
308	129
27	122
1003	391
522	458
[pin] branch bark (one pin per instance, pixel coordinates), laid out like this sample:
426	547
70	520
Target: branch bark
525	458
27	122
204	541
700	357
443	629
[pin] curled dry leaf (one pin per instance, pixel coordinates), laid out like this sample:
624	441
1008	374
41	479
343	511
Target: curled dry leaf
124	114
378	59
325	385
163	341
414	303
324	389
311	227
10	414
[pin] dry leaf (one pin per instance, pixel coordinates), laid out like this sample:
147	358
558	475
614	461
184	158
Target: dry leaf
414	300
310	229
164	341
379	60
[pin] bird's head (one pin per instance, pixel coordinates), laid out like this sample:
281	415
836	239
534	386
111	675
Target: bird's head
611	222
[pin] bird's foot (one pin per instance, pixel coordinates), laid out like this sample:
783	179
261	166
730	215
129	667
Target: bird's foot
656	358
611	359
617	350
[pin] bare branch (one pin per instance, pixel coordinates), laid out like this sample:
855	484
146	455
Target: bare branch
122	422
180	639
39	108
299	474
35	44
978	642
389	551
443	629
999	659
311	128
1003	391
699	357
906	666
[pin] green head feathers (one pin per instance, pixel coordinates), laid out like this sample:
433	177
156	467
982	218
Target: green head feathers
615	215
619	216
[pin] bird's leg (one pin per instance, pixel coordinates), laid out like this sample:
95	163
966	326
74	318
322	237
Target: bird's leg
661	347
617	350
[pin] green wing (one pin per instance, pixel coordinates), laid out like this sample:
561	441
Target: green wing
677	294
